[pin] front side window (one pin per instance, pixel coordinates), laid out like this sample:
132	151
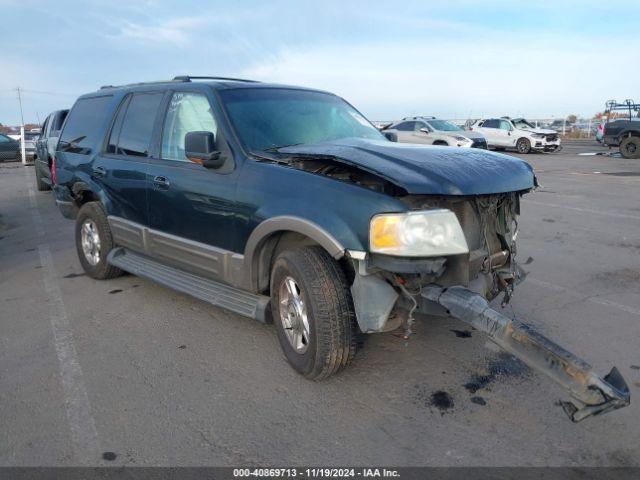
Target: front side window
267	118
504	125
82	129
405	126
491	124
134	137
187	112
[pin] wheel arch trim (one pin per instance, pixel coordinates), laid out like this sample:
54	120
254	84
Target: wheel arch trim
285	223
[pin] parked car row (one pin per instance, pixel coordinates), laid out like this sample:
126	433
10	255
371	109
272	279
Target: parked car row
494	133
286	205
11	148
46	147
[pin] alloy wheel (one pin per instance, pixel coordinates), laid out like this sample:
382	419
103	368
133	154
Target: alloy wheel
293	314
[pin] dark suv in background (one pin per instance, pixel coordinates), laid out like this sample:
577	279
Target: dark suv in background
286	204
46	147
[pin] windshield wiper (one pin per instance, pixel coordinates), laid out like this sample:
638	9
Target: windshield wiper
264	158
275	149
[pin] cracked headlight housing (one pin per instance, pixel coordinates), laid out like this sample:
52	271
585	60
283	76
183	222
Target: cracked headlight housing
426	233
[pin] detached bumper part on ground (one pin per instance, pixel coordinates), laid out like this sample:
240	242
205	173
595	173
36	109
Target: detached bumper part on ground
592	395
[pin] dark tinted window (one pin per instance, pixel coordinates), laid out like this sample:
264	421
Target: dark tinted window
45	127
137	125
82	130
58	120
405	126
4	139
112	145
493	123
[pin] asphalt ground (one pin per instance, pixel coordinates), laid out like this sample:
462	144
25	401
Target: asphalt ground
126	372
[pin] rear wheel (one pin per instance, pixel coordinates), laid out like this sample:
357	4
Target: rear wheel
630	147
313	312
40	185
523	145
94	242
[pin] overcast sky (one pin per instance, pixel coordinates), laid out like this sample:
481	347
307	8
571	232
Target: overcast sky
455	59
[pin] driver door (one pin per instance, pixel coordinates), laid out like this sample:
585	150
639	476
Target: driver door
192	209
420	136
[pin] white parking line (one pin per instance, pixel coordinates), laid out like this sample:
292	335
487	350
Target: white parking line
84	436
571	293
583	210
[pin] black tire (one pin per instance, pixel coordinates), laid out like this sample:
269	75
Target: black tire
630	147
523	145
40	185
325	293
94	213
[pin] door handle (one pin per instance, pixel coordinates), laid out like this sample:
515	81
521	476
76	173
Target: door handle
161	182
99	171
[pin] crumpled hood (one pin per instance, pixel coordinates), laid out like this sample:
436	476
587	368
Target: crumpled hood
427	169
546	131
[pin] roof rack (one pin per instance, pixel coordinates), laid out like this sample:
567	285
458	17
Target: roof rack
156	82
180	79
419	117
188	78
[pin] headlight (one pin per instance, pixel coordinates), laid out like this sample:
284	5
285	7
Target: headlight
538	135
425	233
462	139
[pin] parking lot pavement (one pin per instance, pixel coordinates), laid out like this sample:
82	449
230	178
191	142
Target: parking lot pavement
126	372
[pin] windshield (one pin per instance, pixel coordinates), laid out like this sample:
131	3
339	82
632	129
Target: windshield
444	126
268	118
522	123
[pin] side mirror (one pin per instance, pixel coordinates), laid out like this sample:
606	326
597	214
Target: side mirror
425	130
391	136
200	147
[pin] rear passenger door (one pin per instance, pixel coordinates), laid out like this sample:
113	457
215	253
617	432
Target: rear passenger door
121	169
192	209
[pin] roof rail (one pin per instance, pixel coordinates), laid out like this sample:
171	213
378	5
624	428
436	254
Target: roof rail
156	82
188	78
419	117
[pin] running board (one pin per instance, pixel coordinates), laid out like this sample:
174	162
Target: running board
593	395
218	294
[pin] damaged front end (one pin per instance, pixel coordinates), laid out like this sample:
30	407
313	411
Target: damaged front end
388	290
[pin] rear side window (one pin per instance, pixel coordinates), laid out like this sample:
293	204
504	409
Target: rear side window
57	121
134	123
45	127
82	130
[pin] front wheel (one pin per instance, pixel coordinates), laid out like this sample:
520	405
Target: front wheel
94	242
523	145
313	312
630	147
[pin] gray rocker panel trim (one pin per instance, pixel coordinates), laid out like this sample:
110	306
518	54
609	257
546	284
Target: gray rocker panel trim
191	256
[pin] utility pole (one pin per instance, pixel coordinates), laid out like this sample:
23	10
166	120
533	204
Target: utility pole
23	150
